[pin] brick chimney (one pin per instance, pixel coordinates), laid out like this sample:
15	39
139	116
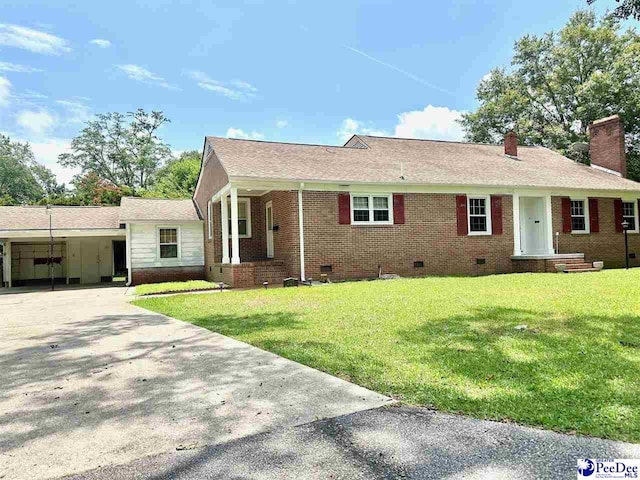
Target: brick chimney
511	144
606	145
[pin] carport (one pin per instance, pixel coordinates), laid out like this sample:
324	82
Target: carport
82	245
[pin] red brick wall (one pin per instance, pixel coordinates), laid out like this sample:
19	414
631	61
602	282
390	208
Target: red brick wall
429	235
606	144
166	274
286	240
607	245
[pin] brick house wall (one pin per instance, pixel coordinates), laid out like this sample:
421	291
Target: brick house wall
607	245
429	235
166	274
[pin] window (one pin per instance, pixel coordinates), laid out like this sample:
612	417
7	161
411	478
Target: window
371	209
209	220
244	217
629	214
479	218
579	216
168	242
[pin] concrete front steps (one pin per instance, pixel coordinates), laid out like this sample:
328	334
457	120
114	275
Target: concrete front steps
579	267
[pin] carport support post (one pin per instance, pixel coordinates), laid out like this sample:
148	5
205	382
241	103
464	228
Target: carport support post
235	234
7	262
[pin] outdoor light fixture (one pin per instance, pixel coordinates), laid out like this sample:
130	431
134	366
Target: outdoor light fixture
221	285
625	227
265	285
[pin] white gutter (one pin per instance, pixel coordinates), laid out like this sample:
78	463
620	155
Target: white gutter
128	248
301	229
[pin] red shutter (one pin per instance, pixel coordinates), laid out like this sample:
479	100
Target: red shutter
398	208
344	209
617	209
594	220
496	215
461	213
566	215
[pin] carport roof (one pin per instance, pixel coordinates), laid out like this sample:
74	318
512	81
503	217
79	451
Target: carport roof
62	218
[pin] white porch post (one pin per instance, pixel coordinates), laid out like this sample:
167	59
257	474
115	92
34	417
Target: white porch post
549	223
127	247
224	215
235	234
301	228
7	262
517	249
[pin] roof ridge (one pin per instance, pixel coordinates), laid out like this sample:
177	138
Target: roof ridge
386	137
286	143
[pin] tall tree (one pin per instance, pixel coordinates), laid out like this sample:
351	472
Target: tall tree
121	148
22	179
178	178
625	9
561	82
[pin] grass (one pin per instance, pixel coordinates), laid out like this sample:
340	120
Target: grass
171	287
450	343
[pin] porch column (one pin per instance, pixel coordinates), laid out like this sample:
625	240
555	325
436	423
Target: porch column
235	234
549	223
517	249
224	215
7	263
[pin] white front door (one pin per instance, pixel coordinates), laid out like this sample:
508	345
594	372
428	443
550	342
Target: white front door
532	225
269	222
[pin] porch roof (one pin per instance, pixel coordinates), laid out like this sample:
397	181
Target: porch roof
382	160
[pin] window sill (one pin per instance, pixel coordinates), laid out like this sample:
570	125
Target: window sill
240	236
580	232
371	224
479	234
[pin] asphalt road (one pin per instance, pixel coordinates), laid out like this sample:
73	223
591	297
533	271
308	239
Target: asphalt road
388	443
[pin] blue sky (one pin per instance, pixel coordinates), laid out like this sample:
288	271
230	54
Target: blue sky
288	71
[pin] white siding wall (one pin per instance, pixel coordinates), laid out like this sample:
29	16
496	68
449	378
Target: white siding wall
144	245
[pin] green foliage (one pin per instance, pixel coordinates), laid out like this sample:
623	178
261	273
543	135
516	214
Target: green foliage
450	343
561	82
22	179
625	9
123	149
92	190
178	178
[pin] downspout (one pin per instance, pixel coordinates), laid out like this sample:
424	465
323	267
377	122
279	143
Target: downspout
301	229
128	245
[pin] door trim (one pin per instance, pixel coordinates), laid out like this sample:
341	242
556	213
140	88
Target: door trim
268	207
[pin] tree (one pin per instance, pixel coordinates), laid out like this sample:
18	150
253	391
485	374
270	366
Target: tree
121	148
22	179
625	9
561	82
178	178
90	189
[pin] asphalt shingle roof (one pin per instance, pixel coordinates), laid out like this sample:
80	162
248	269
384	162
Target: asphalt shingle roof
156	209
427	162
67	218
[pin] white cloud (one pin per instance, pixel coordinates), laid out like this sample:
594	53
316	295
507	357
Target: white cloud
239	133
77	112
351	127
435	123
100	42
235	90
46	152
16	68
140	74
33	40
36	123
282	123
5	91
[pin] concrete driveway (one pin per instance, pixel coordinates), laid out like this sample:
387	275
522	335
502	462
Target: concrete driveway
88	381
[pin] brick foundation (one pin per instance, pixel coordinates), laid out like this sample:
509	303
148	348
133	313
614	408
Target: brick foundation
166	274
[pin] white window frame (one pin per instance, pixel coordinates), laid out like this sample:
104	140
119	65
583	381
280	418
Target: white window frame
633	201
209	220
246	201
587	225
178	238
487	208
388	196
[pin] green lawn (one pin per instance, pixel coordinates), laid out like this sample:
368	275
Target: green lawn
170	287
450	343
